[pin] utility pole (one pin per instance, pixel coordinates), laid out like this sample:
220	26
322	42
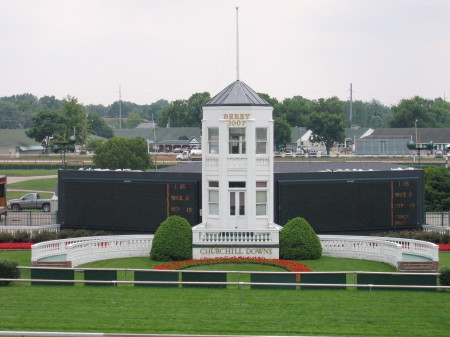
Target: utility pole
120	109
237	43
351	105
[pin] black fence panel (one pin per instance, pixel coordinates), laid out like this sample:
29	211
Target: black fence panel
327	278
156	276
273	278
204	277
52	274
396	279
100	275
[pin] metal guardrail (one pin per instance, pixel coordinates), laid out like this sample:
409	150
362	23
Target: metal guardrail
29	218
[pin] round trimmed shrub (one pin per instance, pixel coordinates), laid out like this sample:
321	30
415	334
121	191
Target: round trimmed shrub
172	241
8	269
444	277
298	241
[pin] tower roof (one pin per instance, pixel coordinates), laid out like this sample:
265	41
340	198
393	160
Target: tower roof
237	93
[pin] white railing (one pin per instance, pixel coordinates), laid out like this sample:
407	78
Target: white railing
90	249
437	229
364	248
382	249
202	235
32	230
114	247
417	247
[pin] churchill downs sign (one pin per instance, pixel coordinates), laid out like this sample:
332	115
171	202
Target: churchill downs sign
242	251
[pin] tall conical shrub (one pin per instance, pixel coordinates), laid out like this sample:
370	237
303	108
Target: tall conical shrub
172	241
298	241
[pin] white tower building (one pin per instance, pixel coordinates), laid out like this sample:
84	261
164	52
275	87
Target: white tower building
237	177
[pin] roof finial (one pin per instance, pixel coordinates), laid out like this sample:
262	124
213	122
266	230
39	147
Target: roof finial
237	43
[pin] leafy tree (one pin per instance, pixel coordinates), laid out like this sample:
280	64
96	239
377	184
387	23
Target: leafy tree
92	144
282	132
50	103
327	122
295	110
97	109
194	113
172	241
152	111
122	153
75	116
99	127
184	112
428	113
47	124
134	119
437	189
9	114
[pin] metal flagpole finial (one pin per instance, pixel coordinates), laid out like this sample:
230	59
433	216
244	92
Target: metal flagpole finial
237	43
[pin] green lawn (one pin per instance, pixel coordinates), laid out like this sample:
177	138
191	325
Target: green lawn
128	309
224	311
47	184
29	173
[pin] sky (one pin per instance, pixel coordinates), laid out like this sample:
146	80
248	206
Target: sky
148	50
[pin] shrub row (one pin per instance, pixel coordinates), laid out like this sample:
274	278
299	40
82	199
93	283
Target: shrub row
22	236
433	237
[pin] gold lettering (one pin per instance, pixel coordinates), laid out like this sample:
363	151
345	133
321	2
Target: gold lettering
247	116
176	197
225	116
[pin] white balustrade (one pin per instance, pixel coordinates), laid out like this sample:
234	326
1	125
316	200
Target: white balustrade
89	249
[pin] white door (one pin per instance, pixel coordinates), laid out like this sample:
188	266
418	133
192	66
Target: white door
237	209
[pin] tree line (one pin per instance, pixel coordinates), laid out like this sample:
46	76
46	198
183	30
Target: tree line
326	117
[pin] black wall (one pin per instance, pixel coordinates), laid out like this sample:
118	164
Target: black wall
332	202
352	202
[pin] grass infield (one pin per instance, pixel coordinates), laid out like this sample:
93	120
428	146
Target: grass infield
226	311
128	309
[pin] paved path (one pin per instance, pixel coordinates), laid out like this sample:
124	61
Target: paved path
12	180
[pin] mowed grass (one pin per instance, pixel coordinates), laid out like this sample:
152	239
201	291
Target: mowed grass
47	184
224	311
128	309
28	173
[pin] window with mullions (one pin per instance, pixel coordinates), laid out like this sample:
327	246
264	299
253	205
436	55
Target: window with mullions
261	140
236	140
213	198
261	198
213	140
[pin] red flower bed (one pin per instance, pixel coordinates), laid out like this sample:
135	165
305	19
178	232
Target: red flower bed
288	265
444	247
16	245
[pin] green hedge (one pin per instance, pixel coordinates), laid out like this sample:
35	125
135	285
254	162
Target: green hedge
298	241
172	241
8	269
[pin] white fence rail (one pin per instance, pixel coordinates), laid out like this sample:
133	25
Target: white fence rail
90	249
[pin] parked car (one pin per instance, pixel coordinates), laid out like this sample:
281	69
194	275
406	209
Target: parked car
438	154
29	201
312	153
177	150
288	153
